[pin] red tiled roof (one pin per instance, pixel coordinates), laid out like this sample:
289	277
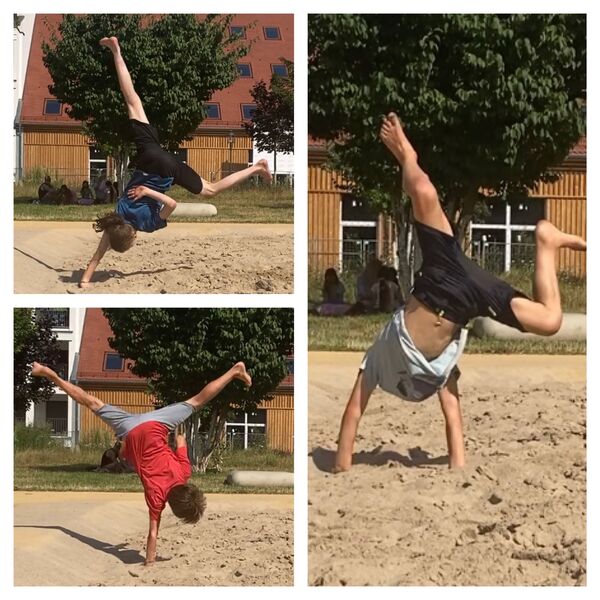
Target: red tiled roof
263	53
94	347
580	148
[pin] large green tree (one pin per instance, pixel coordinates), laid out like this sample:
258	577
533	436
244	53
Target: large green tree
180	350
489	101
33	340
272	126
176	63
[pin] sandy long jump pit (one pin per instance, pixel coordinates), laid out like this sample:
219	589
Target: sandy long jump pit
50	257
98	539
515	516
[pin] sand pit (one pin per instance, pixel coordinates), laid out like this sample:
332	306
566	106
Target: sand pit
98	539
49	257
515	516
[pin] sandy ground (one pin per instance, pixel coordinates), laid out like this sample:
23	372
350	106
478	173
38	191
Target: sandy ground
182	258
515	516
83	538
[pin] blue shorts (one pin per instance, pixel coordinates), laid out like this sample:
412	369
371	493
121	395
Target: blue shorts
123	422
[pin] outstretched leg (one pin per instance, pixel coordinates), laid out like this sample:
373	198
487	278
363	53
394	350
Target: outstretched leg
543	315
416	183
238	371
261	168
80	396
357	404
135	108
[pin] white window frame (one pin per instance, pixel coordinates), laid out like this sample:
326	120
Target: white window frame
96	161
246	425
508	228
341	237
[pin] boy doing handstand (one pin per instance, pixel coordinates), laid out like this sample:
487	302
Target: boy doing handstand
144	206
415	355
164	473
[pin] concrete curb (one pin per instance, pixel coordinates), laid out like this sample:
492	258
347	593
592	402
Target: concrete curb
573	328
195	209
260	478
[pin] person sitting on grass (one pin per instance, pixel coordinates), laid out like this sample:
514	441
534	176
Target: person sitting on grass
416	353
86	196
386	293
333	295
67	195
164	473
45	187
144	205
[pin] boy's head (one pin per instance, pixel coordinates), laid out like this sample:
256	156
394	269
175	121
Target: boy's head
187	502
121	234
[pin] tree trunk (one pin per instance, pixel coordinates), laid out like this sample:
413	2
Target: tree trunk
275	165
192	437
121	161
216	431
405	275
462	212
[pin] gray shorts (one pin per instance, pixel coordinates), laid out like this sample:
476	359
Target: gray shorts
123	422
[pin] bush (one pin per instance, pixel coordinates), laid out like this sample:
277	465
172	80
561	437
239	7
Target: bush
33	438
97	439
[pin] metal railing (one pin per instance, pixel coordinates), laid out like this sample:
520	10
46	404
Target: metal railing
492	256
57	425
348	254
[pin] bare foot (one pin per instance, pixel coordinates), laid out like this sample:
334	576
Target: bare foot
339	469
393	136
242	374
549	235
38	370
112	43
265	171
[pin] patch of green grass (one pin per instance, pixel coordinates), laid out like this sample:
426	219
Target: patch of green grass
62	469
246	204
356	334
572	289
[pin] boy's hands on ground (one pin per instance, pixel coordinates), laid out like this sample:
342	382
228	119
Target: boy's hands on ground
138	192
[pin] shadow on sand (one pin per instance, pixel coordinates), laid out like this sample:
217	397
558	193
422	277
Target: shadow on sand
324	458
126	555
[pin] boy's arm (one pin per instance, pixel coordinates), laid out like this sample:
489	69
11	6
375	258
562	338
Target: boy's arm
354	410
169	205
151	541
103	246
450	404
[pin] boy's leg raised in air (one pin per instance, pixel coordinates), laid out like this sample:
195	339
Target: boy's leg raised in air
416	183
238	371
357	404
135	108
80	396
543	314
261	168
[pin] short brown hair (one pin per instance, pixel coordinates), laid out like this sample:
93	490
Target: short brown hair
121	234
187	502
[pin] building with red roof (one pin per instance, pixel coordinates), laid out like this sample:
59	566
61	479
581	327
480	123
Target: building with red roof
343	231
51	142
105	374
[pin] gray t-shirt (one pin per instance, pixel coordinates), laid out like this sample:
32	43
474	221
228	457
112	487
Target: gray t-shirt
395	364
